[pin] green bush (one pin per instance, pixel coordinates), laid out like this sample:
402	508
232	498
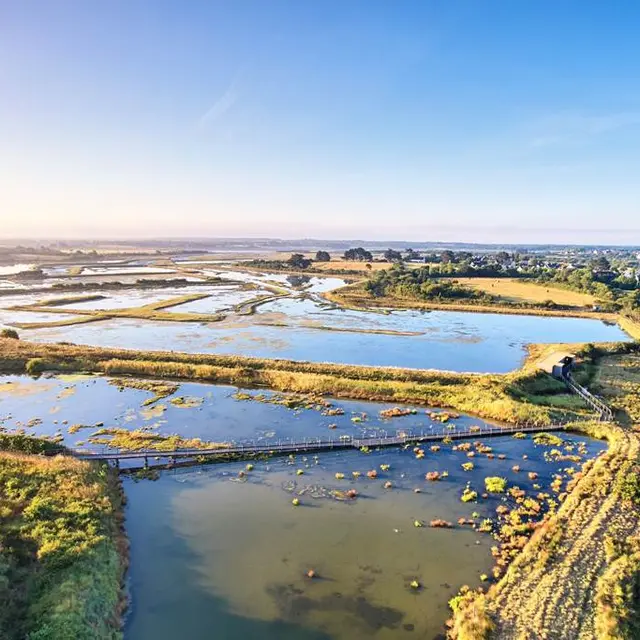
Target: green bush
9	333
60	570
630	487
35	366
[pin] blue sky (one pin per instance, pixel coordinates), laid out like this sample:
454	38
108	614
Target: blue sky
450	120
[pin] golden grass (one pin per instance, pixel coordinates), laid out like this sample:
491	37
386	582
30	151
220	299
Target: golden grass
618	378
351	265
567	582
514	290
354	297
630	326
487	395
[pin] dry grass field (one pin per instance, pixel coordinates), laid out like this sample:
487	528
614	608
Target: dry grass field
619	380
520	291
336	265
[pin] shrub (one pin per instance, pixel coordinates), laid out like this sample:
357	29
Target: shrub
35	366
9	333
630	488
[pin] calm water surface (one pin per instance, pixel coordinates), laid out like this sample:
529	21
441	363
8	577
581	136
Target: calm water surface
305	327
214	554
474	342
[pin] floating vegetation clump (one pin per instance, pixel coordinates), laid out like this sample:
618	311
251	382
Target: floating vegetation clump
290	401
160	389
469	495
467	466
432	476
548	439
397	412
494	484
141	439
74	428
442	416
485	526
438	523
186	402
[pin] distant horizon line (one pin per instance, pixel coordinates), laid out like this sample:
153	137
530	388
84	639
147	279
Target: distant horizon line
299	240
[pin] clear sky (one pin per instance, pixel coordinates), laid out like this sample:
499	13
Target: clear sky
505	120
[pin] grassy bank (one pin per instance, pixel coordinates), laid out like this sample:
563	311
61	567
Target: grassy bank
62	548
579	575
512	398
355	297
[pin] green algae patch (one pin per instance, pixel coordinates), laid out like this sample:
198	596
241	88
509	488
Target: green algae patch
160	389
143	440
155	411
67	392
30	388
186	402
76	377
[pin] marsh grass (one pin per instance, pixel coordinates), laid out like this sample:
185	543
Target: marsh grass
588	550
486	395
62	550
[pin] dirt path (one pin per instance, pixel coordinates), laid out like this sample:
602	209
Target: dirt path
551	596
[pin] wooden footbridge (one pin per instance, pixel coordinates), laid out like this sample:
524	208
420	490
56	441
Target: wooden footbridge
224	451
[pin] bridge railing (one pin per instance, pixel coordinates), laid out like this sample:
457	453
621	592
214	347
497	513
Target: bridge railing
318	444
598	405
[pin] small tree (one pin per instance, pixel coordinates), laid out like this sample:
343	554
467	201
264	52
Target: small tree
447	256
390	255
359	254
298	261
9	333
323	256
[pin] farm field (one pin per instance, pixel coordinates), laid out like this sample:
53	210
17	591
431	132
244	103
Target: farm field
519	291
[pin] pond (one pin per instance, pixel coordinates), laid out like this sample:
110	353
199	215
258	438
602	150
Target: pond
224	548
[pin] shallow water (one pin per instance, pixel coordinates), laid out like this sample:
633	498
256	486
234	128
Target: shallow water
90	399
213	551
12	269
235	553
447	340
306	327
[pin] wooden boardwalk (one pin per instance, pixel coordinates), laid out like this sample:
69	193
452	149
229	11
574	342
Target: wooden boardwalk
311	445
